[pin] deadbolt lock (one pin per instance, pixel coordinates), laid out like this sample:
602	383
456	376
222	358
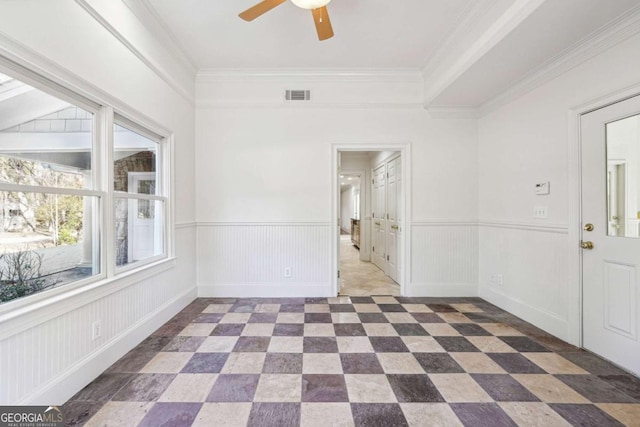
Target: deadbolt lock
586	245
588	227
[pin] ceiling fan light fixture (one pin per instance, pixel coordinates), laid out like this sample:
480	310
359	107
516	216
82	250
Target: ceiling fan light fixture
310	4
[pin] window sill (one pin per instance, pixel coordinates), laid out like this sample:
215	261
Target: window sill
23	314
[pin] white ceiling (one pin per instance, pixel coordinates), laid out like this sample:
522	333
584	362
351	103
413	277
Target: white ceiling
368	33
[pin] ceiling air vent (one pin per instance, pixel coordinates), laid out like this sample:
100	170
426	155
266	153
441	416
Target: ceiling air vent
297	95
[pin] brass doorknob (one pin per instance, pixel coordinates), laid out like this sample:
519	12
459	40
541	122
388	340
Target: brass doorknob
588	227
586	245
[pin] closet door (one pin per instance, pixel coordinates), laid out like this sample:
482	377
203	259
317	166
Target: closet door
393	215
378	249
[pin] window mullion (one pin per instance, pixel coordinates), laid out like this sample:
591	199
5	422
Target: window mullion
106	184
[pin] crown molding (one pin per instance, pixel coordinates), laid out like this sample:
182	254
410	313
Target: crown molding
182	88
442	112
225	105
606	37
214	75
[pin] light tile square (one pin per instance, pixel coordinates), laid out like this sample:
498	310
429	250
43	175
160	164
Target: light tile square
319	330
417	308
224	414
491	345
477	363
339	300
345	318
627	413
400	318
554	363
440	329
244	363
454	318
326	414
549	389
218	344
235	318
399	363
166	363
430	415
467	308
354	345
267	308
197	330
366	388
286	345
500	330
189	388
279	388
321	363
316	308
117	414
217	308
258	330
533	414
290	318
385	300
380	330
367	308
459	388
420	344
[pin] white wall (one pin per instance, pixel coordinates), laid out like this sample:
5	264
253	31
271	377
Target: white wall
279	156
521	144
47	355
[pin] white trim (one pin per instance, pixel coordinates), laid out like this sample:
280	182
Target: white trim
257	290
49	190
553	323
605	38
574	334
22	314
445	222
295	75
187	224
148	62
405	153
262	224
214	105
442	290
436	112
139	196
63	386
529	226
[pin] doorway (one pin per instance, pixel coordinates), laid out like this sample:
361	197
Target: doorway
611	232
370	206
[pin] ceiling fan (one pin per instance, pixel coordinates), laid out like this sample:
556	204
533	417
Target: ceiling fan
318	10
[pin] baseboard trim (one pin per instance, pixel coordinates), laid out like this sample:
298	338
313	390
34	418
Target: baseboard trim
547	321
442	290
257	290
62	387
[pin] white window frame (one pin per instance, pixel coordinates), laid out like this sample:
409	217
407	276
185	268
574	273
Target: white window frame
101	105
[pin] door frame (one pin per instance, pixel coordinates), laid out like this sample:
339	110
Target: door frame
405	153
364	199
575	312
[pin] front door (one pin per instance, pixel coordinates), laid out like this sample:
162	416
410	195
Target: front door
142	238
610	238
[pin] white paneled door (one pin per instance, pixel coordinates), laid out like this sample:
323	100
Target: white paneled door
393	223
611	223
378	191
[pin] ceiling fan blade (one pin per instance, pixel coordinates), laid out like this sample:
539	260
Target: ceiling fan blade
323	23
260	9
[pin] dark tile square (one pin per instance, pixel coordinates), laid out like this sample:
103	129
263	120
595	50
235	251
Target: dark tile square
282	363
324	388
234	388
524	344
201	363
592	363
625	383
320	345
263	318
156	343
168	330
456	344
378	415
243	307
144	388
103	388
360	363
317	318
228	329
515	363
165	414
288	330
208	318
441	308
274	415
409	329
131	362
427	318
388	345
480	317
362	300
595	389
252	344
482	415
373	318
184	344
392	308
316	301
584	415
438	363
341	308
292	308
414	388
349	330
470	329
503	388
76	413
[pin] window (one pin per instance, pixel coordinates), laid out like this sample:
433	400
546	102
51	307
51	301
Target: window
54	200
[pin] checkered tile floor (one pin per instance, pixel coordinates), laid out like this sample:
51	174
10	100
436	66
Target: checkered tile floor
363	361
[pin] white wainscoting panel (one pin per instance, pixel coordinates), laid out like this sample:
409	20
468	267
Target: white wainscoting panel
249	259
48	363
533	262
444	258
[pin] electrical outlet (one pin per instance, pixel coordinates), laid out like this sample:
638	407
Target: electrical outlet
287	272
96	330
540	212
499	281
492	279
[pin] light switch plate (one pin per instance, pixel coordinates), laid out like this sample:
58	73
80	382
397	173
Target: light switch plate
543	188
